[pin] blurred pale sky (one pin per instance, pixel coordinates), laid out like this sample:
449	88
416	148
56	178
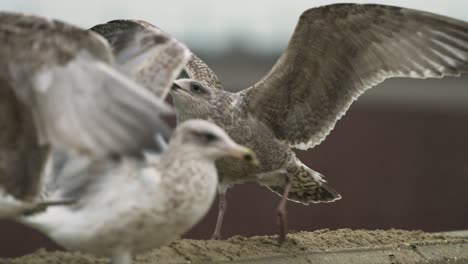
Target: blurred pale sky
261	25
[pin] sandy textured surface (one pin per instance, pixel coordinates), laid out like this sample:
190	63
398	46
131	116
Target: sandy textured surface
236	248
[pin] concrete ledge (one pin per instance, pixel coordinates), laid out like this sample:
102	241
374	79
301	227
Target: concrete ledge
342	246
429	253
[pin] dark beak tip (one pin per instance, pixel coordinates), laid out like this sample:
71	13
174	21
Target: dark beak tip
248	157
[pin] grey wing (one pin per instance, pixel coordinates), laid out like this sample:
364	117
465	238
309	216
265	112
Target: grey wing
70	176
87	107
29	43
58	89
46	35
22	158
145	53
339	51
198	70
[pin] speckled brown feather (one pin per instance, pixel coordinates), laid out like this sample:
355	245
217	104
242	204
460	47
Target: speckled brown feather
146	53
198	70
195	68
339	51
335	54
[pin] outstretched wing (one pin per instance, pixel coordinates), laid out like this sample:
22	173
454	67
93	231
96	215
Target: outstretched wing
145	53
89	107
58	89
52	33
28	43
195	68
78	102
339	51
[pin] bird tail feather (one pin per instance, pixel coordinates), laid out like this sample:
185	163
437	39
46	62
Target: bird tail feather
308	186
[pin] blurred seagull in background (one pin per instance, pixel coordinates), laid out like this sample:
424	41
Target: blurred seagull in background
335	54
88	140
61	91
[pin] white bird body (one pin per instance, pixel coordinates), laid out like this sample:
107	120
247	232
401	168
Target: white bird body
126	206
133	205
76	135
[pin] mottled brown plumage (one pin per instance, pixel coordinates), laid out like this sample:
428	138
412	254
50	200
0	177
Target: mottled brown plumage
339	51
195	68
198	70
145	53
335	54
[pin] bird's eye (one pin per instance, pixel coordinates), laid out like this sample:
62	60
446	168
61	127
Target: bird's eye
195	87
209	137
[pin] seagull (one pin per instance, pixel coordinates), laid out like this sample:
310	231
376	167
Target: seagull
335	54
129	206
92	140
64	90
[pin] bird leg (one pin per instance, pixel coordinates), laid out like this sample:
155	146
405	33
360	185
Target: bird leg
222	206
281	213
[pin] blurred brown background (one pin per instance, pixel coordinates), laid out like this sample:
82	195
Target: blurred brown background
399	157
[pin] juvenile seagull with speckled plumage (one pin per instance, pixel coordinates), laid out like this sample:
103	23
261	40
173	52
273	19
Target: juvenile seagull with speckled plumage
335	54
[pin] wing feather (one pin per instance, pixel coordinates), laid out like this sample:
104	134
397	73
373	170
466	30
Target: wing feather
58	89
145	53
195	68
339	51
89	107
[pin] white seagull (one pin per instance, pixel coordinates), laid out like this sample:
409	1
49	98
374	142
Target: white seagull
91	142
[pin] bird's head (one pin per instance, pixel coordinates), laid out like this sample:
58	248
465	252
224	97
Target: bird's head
194	99
210	141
